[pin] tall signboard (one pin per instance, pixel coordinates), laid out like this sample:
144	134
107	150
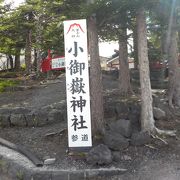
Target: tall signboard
77	84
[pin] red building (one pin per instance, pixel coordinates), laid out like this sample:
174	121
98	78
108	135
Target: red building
55	63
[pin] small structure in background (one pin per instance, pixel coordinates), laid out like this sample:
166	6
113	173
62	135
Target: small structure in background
3	62
53	63
113	64
103	61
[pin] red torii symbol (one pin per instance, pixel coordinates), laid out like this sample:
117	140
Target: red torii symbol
77	25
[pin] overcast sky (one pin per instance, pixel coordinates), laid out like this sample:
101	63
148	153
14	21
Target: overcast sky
15	2
106	49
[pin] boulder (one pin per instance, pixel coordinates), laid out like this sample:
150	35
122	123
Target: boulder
30	119
121	110
115	141
140	138
40	118
64	114
134	108
135	122
47	108
116	156
60	105
4	120
99	155
20	110
158	113
18	120
119	156
122	127
49	161
55	116
109	111
5	110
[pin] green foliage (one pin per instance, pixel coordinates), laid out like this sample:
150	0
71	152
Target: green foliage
10	74
3	164
23	67
20	175
34	14
45	20
7	83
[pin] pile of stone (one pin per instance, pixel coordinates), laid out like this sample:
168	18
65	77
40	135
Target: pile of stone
123	130
118	137
30	117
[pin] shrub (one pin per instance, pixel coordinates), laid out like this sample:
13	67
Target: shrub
7	83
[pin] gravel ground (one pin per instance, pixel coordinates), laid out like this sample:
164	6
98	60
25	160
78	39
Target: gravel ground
41	95
155	162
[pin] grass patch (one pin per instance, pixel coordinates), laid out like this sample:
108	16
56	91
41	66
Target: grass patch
10	74
7	83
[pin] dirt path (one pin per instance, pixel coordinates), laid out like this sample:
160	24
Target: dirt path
39	96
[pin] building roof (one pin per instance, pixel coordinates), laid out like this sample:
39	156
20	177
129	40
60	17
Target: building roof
113	59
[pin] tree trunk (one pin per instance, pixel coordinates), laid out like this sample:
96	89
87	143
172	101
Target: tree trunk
177	90
96	90
163	45
7	63
35	60
135	45
147	120
10	59
39	57
179	45
17	60
28	49
174	85
38	42
164	53
124	75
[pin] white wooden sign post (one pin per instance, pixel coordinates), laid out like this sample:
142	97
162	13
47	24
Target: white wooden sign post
77	84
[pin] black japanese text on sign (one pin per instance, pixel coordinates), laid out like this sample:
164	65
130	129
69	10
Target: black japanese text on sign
77	84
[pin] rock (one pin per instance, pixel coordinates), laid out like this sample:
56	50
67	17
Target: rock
135	122
115	141
30	119
121	110
140	138
60	105
64	114
158	113
20	110
122	127
47	108
120	156
55	116
4	120
40	118
116	156
134	108
5	110
109	110
99	155
18	120
126	158
156	100
49	161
